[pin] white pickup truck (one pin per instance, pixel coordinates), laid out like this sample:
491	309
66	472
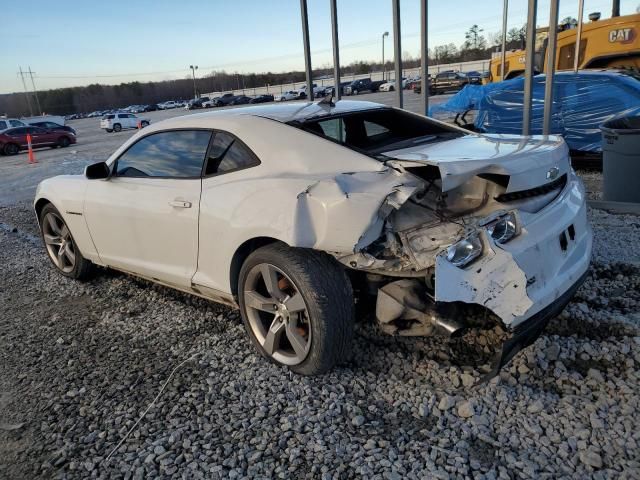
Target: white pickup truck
115	122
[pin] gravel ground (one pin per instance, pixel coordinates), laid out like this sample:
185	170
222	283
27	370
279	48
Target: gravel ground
80	362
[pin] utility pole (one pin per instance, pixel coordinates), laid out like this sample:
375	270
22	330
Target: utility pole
35	92
26	93
576	50
615	9
193	73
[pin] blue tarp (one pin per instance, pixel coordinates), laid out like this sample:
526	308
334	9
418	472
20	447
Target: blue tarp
581	103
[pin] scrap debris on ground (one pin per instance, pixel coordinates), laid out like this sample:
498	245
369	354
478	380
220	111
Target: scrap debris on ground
81	362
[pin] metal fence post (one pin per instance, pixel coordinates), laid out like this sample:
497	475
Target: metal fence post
424	61
576	52
307	48
398	51
550	67
505	9
337	91
529	66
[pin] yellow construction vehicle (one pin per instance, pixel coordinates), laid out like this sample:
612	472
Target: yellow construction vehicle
610	43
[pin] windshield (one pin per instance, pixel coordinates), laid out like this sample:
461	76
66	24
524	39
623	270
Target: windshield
378	130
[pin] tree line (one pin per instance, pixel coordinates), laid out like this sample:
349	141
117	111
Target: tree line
62	101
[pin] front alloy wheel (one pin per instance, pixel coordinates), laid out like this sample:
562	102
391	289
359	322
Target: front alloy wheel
297	307
57	239
60	245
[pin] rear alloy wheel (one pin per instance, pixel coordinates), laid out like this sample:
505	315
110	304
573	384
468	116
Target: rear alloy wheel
144	123
297	306
117	127
11	149
64	142
61	247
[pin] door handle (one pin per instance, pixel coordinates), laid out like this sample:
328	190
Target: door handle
180	204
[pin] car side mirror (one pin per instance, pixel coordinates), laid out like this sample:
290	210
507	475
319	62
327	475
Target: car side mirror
97	171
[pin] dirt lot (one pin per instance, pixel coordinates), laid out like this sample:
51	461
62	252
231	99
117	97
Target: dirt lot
80	362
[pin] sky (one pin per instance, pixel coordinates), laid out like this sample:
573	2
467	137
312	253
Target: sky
78	42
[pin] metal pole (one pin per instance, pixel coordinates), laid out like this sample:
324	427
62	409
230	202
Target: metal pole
397	51
576	52
337	93
26	93
529	66
307	47
384	68
424	61
505	10
550	67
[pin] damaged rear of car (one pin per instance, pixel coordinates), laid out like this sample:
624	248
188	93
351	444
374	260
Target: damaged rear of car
452	218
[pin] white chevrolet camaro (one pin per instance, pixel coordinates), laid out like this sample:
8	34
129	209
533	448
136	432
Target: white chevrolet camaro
294	213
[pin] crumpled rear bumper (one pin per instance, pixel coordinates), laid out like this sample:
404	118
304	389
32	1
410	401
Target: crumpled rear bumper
518	279
528	332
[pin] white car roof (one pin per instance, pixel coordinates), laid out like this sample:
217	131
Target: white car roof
298	111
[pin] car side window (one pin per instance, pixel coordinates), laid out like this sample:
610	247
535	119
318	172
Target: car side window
3	125
227	153
19	131
173	154
15	123
334	129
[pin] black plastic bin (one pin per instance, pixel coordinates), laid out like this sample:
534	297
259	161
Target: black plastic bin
621	159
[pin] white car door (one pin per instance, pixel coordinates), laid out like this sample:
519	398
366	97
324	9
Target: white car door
144	218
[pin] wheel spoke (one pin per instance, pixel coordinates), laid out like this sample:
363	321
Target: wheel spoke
270	277
274	334
69	254
295	304
296	340
52	239
53	224
254	300
64	232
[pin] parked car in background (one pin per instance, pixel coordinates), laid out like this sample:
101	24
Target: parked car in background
196	103
286	95
409	209
390	86
448	81
210	102
152	107
15	139
475	77
225	100
54	126
330	89
262	99
116	122
6	123
167	105
362	85
317	91
240	100
59	119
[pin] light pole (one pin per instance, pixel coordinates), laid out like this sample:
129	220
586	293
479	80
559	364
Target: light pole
384	68
193	73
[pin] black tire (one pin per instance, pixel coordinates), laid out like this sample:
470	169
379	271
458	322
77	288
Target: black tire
11	149
64	142
109	130
117	127
391	89
328	296
82	268
144	123
355	92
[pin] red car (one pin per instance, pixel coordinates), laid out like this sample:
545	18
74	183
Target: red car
15	139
